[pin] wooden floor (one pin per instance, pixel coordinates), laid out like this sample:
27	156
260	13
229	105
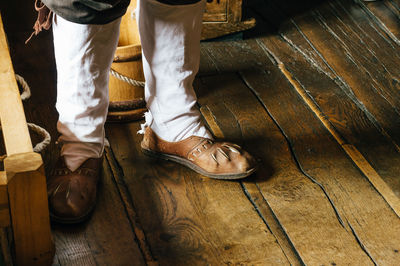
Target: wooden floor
313	91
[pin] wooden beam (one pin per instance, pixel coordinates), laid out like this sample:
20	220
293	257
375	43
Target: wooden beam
29	209
12	117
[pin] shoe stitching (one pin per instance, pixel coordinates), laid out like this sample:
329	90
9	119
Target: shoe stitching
196	148
214	158
232	149
68	190
56	190
224	153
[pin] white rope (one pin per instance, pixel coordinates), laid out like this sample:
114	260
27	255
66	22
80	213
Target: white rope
126	79
26	90
43	133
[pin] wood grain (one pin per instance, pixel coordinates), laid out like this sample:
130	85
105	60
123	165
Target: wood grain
334	96
29	209
345	112
359	160
365	59
386	15
303	212
14	128
216	11
321	158
129	32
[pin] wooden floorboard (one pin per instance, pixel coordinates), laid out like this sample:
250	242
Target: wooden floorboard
355	48
334	98
354	45
386	15
347	113
187	219
320	156
301	207
344	104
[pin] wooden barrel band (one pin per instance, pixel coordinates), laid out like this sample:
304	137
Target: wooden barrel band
127	105
127	58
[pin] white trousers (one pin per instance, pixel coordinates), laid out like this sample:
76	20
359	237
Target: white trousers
170	37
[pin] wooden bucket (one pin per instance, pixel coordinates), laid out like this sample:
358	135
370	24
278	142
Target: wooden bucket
126	95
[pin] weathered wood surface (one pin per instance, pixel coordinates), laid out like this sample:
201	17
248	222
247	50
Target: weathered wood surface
365	58
385	14
336	97
319	155
346	114
301	207
187	219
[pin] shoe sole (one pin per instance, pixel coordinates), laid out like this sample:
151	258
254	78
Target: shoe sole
194	167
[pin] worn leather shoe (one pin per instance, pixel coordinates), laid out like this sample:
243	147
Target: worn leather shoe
72	194
214	159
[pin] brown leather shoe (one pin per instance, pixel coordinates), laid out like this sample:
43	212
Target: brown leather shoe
220	160
72	195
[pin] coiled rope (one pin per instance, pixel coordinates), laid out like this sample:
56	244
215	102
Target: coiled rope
26	94
126	79
26	90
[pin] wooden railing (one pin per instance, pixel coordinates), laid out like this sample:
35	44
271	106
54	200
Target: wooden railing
23	197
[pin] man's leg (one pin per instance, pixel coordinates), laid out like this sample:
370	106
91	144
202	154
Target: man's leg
170	37
83	56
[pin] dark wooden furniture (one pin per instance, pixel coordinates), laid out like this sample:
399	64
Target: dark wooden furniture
224	17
